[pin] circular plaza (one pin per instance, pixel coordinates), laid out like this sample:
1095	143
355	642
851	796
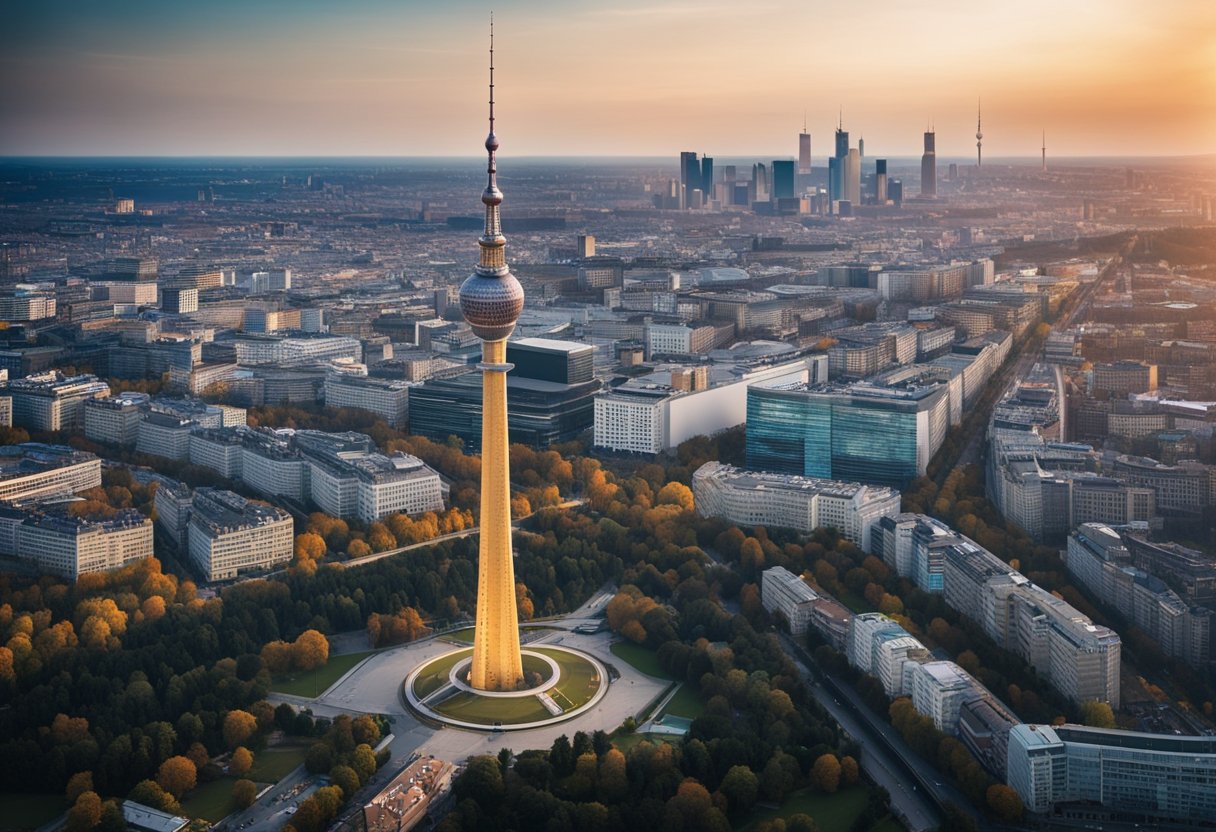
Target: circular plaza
561	683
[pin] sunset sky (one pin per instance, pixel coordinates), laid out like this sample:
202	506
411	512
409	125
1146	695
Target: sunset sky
628	77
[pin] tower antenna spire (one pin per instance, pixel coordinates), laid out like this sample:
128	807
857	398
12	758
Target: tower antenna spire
979	134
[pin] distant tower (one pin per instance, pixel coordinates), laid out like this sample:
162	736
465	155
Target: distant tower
690	176
880	181
836	164
491	300
804	148
979	137
928	165
1044	151
861	147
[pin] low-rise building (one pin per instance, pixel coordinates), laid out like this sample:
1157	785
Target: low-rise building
755	498
229	535
34	469
59	543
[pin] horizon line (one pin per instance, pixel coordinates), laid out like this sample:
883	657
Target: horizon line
597	156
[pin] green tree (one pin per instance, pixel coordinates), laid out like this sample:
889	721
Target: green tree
244	792
740	786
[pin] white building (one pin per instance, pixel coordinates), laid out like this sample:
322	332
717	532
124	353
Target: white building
939	690
387	398
755	498
649	415
59	544
252	351
863	630
784	592
114	420
35	469
271	465
52	401
220	449
229	535
164	435
348	479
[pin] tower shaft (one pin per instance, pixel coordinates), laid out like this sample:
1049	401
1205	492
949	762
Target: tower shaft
496	661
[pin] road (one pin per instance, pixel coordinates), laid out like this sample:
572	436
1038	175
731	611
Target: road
908	800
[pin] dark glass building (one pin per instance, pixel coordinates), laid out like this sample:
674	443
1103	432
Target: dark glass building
783	179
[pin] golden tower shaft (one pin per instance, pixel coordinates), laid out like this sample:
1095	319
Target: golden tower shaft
496	660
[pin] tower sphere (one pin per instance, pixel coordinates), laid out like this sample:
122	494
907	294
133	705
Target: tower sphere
491	304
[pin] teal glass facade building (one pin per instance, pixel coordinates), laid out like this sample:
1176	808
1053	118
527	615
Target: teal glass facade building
853	434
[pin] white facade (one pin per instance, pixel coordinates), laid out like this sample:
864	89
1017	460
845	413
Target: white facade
295	352
165	436
784	592
71	547
939	690
51	401
275	473
229	535
217	450
114	420
386	398
34	470
753	498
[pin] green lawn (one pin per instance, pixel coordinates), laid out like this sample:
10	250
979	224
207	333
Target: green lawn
832	812
213	801
578	682
210	801
314	682
686	703
464	636
20	812
641	658
469	707
273	764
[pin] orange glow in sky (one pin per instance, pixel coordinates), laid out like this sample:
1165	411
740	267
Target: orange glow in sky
1102	77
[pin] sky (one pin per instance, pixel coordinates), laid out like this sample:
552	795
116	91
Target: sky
620	78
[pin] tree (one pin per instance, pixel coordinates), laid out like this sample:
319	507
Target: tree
675	494
345	778
801	823
78	784
319	758
613	781
1097	714
241	762
825	774
365	730
85	812
1004	802
177	775
482	780
239	726
363	761
244	792
740	785
848	771
310	651
149	793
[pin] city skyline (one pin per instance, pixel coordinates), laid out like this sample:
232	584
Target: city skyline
381	79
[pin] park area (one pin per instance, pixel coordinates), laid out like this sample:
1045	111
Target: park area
312	683
213	801
686	703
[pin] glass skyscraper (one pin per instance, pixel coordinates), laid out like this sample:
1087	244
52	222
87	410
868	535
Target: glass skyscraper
857	433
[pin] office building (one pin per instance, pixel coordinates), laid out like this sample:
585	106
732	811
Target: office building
783	179
114	420
939	690
52	401
25	304
880	181
781	591
1100	562
755	498
230	536
165	435
218	449
57	542
690	177
348	479
296	351
1120	379
1186	487
881	431
804	152
386	398
34	470
179	301
928	166
271	465
1133	775
650	414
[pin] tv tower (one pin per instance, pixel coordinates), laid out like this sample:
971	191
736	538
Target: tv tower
979	137
1044	151
491	300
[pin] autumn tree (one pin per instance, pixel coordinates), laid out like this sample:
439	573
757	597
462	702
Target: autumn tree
241	762
239	726
675	494
825	774
85	812
177	775
78	784
244	792
740	786
310	650
1097	714
848	771
1004	802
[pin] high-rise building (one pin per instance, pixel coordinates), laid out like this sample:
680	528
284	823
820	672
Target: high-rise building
851	177
880	181
586	245
804	151
690	176
707	178
783	179
491	299
928	166
979	138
